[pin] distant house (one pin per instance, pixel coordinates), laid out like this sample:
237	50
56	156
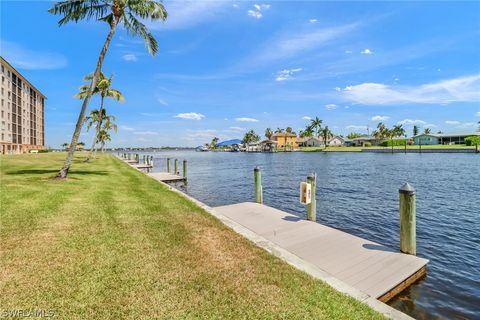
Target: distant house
361	141
268	146
230	143
253	147
318	142
443	138
285	140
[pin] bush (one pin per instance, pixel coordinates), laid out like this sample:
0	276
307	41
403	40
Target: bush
43	151
367	144
472	140
395	143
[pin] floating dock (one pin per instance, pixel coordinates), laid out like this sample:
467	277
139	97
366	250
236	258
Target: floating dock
167	177
374	269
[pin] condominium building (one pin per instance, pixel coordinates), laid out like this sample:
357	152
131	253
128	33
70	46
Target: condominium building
22	110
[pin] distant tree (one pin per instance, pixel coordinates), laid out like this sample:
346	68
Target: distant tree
473	141
427	131
250	137
382	131
289	130
214	143
279	130
316	125
103	137
398	131
268	133
353	135
65	145
439	132
307	133
415	131
326	134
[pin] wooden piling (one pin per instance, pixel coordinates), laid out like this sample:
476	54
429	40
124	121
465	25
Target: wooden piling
168	165
312	206
408	236
257	174
151	161
175	166
185	169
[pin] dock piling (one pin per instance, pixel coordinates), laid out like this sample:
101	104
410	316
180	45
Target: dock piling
168	165
185	169
258	185
312	206
175	166
151	161
408	236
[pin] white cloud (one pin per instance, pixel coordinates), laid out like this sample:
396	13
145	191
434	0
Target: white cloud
330	106
452	122
162	102
237	129
290	44
477	114
255	14
313	20
190	116
257	11
146	133
366	52
410	122
338	89
189	13
307	118
246	120
429	125
286	74
462	89
236	6
348	51
379	118
355	127
129	57
467	125
126	128
23	58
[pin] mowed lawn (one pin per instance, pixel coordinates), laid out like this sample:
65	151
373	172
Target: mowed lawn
111	243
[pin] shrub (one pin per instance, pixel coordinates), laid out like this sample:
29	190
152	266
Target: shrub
367	144
472	140
395	143
43	151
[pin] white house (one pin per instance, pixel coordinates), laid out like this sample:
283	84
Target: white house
318	142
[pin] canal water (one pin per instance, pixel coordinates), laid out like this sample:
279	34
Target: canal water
358	193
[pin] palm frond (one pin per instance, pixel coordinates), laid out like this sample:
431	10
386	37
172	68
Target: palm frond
137	28
148	9
115	94
75	10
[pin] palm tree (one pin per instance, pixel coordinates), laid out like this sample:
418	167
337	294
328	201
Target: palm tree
427	131
289	130
250	137
316	125
214	143
102	121
308	132
268	133
130	14
279	130
103	137
103	88
326	134
65	145
382	132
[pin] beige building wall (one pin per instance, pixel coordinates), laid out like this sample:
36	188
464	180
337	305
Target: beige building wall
22	113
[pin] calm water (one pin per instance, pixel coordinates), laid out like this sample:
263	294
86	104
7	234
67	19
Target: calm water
358	193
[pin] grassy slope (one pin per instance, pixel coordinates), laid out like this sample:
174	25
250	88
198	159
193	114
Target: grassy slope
111	243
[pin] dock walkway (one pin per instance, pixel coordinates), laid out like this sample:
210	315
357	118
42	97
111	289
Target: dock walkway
372	268
166	177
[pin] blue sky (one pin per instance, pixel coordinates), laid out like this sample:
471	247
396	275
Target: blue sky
225	67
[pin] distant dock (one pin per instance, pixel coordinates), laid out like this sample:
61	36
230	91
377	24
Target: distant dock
374	269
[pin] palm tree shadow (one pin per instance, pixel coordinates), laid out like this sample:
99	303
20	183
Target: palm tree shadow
44	171
377	247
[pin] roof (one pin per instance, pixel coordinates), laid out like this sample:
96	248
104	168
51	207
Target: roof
451	134
284	134
21	76
230	142
268	142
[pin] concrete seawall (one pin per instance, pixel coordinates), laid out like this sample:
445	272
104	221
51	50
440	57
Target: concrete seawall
425	150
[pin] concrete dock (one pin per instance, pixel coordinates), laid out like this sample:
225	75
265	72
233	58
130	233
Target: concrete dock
166	177
369	267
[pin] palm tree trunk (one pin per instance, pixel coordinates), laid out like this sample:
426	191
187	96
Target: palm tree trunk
81	117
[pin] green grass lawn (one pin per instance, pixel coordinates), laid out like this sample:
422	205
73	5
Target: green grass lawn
111	243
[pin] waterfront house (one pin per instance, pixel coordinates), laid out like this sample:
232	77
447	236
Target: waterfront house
285	140
268	146
253	147
443	138
318	142
362	141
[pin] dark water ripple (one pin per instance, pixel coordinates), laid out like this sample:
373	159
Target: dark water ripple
358	193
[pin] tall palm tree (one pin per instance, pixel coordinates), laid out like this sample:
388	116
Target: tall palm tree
308	132
268	133
279	130
326	134
128	13
65	145
427	131
316	125
415	131
103	88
